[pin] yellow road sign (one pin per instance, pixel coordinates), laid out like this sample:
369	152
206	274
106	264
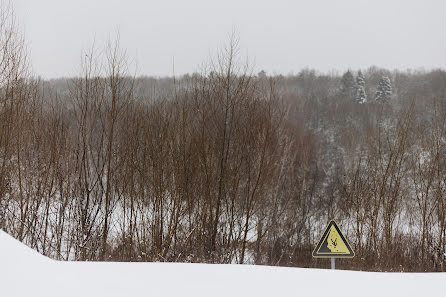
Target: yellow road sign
333	244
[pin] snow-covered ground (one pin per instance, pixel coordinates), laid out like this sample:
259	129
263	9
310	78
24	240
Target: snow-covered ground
24	272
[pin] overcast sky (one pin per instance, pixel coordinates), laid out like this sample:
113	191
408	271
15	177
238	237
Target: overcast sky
279	36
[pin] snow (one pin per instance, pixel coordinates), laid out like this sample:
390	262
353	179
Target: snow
24	272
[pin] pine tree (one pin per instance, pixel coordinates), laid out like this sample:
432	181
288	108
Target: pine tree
360	79
348	85
361	96
384	90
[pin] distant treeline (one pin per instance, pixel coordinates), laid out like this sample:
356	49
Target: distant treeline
224	166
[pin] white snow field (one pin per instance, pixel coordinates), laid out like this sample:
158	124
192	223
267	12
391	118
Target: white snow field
24	272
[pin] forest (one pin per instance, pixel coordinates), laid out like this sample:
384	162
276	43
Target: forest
222	166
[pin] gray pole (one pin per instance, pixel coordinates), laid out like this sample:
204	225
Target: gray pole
333	263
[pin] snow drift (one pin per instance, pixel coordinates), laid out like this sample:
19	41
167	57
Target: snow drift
24	272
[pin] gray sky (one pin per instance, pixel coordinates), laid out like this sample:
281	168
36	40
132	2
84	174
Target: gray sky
280	36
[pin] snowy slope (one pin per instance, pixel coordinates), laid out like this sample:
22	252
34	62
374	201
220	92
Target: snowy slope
24	272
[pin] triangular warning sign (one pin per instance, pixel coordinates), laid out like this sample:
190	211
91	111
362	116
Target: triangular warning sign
333	244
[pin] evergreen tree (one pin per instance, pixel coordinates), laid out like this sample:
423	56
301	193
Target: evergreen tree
360	96
360	79
384	90
348	85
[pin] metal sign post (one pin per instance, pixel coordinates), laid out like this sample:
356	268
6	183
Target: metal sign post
333	263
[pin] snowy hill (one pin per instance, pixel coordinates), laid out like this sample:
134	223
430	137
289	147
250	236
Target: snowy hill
24	272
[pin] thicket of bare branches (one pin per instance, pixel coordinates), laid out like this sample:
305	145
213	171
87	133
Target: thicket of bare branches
221	167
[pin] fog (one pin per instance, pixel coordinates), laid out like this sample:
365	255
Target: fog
278	36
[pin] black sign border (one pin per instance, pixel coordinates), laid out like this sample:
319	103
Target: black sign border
316	255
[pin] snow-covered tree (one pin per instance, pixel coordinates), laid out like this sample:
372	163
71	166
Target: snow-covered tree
384	90
360	79
360	96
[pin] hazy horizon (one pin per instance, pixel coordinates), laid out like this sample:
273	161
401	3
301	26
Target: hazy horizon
280	37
